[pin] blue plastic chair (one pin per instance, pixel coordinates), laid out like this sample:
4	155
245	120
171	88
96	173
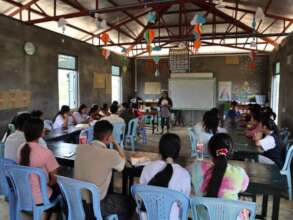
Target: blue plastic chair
286	170
20	179
132	132
5	189
158	201
119	133
71	189
2	146
193	141
220	209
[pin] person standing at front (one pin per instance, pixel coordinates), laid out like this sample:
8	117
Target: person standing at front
165	104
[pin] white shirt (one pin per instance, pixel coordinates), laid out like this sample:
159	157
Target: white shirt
80	118
268	142
203	136
113	119
58	123
180	181
14	141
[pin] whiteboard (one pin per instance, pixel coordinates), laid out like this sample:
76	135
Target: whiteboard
193	93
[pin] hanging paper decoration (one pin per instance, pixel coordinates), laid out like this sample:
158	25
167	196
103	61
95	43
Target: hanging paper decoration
105	38
197	44
197	36
157	73
156	48
149	36
151	17
124	68
252	64
198	19
259	14
253	43
62	24
106	53
156	59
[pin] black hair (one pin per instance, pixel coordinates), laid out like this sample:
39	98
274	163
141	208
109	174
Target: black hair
169	146
93	109
218	141
37	113
115	103
210	122
64	109
105	106
234	103
81	107
125	105
33	130
215	111
269	123
114	109
256	114
269	112
101	128
21	120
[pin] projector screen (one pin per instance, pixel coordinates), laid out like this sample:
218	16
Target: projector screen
193	93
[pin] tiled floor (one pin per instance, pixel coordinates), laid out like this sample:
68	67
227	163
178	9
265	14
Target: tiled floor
286	209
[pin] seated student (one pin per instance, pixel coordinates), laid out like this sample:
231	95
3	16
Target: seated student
208	128
269	111
166	172
114	117
218	178
16	139
62	118
233	113
32	154
104	110
269	141
94	113
37	114
81	115
254	124
126	113
94	163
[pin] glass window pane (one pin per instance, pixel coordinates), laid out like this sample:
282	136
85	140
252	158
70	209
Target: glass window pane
278	68
66	62
115	71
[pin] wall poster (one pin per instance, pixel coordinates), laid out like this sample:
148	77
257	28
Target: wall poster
225	91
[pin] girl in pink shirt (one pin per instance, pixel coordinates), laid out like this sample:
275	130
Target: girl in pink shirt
255	125
33	154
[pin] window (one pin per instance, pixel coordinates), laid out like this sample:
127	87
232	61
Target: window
275	89
116	84
67	81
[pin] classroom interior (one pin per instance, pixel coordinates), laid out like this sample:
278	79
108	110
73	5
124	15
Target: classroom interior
233	55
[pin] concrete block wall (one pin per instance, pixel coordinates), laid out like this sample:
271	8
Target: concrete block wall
238	74
38	73
284	55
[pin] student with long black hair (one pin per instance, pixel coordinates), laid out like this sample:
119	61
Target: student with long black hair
81	116
33	154
268	140
166	172
62	119
218	178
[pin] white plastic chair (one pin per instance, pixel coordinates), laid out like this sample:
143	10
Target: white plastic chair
286	170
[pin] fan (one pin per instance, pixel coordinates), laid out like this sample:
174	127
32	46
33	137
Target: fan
220	3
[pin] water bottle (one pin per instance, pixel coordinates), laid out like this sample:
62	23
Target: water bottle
83	138
199	150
